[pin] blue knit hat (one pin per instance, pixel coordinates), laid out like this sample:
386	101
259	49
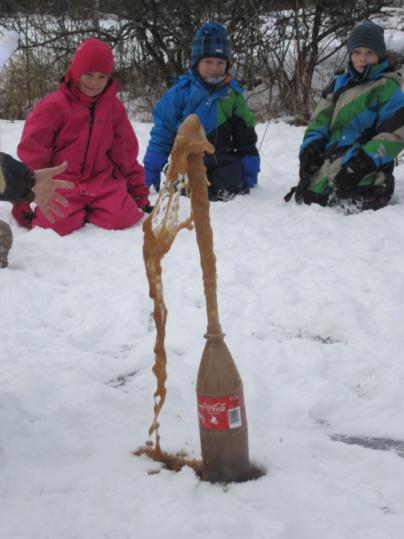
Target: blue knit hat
211	39
369	35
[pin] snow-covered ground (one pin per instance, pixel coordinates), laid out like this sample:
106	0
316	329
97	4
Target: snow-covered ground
311	302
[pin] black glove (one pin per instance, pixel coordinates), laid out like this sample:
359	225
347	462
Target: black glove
302	187
347	179
147	208
312	157
311	160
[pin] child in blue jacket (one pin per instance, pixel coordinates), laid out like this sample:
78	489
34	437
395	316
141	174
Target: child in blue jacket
208	91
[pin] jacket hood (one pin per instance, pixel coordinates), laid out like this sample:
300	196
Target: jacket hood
92	55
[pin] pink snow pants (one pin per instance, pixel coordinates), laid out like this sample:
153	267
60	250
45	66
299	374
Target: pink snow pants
114	209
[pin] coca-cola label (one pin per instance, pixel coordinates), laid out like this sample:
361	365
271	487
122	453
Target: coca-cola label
219	413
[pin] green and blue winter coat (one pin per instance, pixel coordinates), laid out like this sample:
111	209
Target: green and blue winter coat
224	114
360	111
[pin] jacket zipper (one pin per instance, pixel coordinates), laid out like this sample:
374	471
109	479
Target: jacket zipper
90	129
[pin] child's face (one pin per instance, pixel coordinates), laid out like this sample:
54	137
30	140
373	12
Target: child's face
92	83
362	57
211	67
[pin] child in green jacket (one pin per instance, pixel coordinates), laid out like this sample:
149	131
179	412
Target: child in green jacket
356	131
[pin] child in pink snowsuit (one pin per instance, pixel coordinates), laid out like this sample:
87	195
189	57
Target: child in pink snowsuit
84	123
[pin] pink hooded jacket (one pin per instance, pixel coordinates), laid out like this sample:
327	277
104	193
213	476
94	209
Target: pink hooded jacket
99	144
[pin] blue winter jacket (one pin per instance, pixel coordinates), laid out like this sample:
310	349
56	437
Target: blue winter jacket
224	114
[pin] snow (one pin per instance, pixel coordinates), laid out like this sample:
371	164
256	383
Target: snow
311	304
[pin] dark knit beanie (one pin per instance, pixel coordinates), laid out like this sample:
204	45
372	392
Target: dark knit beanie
92	55
369	35
211	39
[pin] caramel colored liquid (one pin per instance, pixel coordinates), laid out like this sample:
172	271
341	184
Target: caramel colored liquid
225	454
160	230
154	248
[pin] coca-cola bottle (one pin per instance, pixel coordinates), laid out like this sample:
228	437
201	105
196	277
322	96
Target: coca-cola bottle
221	410
222	416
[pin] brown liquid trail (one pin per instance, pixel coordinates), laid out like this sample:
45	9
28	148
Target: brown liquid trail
176	462
224	442
158	238
204	238
154	248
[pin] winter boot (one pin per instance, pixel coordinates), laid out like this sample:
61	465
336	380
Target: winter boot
6	240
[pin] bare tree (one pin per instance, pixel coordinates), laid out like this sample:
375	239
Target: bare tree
277	46
301	38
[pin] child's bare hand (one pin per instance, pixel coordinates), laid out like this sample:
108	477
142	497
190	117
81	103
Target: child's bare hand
46	194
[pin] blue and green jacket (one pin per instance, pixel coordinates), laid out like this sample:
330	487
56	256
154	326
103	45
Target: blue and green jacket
360	111
224	114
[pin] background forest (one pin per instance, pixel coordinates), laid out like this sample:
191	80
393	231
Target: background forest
283	52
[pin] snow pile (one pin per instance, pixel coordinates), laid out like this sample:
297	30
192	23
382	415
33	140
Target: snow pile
311	304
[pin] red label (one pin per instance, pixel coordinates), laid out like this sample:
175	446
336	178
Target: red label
219	413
